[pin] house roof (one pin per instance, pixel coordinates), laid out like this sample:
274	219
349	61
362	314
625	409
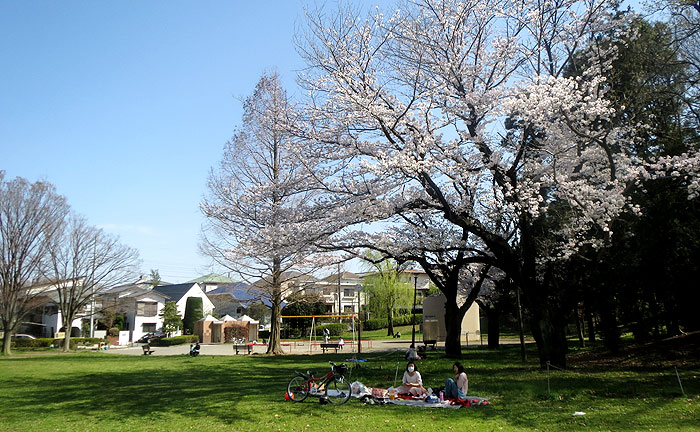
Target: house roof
133	290
234	289
292	275
210	318
212	278
344	276
241	292
174	292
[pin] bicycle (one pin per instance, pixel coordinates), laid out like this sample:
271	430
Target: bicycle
333	386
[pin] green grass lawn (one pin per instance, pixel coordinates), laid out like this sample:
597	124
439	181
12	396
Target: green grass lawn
99	391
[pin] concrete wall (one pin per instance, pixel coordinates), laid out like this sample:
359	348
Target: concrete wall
434	320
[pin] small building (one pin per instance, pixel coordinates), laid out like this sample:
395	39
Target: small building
213	330
434	320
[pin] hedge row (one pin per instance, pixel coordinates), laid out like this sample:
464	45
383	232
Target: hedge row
175	340
335	329
400	320
56	343
32	343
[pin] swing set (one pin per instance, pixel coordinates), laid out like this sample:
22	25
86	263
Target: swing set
313	336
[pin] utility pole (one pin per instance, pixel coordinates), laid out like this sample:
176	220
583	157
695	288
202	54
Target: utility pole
358	288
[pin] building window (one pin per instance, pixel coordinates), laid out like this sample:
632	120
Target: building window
349	293
329	308
148	309
239	310
327	291
348	309
148	327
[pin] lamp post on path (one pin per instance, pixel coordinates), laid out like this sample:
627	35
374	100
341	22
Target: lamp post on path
358	288
413	320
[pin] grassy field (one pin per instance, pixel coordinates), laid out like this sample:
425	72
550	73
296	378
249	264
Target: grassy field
99	391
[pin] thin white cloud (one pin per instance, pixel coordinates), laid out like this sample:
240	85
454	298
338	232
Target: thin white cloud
128	229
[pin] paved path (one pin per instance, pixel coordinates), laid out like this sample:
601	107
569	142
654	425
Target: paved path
298	347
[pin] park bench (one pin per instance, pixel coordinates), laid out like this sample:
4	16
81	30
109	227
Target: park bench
431	342
325	346
147	349
241	347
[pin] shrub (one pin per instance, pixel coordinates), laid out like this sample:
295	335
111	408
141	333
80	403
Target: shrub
335	329
114	332
176	340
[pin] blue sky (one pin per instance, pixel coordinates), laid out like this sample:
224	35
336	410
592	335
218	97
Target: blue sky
125	105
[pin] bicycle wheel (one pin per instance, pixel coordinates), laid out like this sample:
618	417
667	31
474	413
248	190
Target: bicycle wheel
338	391
298	388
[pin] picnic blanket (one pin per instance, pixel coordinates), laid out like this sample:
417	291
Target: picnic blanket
447	403
379	395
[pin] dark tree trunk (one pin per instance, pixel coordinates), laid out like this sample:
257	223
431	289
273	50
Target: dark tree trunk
590	323
493	318
608	326
390	322
579	327
548	328
453	326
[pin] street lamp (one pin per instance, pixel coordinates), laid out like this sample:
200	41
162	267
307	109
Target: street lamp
413	333
358	288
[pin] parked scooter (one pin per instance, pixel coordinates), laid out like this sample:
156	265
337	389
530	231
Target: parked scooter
194	350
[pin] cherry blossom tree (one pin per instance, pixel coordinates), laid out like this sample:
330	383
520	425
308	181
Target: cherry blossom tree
455	126
259	222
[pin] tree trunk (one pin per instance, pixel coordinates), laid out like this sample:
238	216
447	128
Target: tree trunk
66	339
548	328
453	325
390	322
274	345
589	323
608	325
579	327
493	317
6	341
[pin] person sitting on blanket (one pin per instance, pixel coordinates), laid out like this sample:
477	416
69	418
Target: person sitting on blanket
457	388
412	383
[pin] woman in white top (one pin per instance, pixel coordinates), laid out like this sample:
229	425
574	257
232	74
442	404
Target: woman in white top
457	388
412	383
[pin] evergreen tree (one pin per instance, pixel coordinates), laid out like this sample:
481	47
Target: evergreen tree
171	318
194	311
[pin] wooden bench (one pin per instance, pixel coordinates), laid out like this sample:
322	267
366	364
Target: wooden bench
147	349
246	347
325	346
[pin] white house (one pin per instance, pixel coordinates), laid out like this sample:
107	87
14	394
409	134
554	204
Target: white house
179	293
140	305
47	315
